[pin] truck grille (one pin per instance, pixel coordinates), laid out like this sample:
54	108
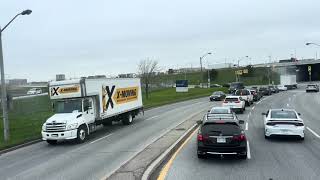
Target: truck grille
55	127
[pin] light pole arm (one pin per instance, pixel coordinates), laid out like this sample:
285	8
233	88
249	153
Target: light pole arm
10	22
313	44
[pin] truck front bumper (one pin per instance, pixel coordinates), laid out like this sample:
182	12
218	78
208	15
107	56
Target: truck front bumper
71	134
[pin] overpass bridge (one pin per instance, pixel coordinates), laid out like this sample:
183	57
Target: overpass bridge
298	68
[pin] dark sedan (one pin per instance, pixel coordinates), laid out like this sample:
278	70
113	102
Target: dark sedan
218	96
266	91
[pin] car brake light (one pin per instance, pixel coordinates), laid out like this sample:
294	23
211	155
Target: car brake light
225	101
201	137
237	102
240	137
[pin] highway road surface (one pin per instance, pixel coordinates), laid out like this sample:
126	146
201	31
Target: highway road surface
277	159
104	152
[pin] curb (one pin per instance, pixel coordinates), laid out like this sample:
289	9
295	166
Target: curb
157	162
19	146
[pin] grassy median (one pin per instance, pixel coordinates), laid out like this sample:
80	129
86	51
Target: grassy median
27	115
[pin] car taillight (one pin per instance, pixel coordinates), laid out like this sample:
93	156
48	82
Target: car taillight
299	124
237	102
240	137
201	137
225	101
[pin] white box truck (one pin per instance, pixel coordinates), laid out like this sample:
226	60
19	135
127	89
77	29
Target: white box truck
289	81
80	105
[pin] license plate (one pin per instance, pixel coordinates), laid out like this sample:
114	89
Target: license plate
284	130
221	140
54	135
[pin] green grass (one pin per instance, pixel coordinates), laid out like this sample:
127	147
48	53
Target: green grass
169	95
26	119
257	76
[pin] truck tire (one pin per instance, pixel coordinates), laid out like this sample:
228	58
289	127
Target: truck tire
52	142
82	134
127	119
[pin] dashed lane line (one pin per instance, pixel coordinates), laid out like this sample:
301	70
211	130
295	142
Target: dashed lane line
100	138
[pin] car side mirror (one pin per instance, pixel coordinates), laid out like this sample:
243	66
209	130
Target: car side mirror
241	121
263	114
208	110
199	122
299	114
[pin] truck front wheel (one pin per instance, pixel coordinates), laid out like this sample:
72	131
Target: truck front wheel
81	134
127	119
52	142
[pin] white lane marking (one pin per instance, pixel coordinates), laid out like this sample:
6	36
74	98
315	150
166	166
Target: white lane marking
152	117
252	108
314	133
288	105
248	151
258	102
247	126
101	138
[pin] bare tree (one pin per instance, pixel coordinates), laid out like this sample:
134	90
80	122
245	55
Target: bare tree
146	70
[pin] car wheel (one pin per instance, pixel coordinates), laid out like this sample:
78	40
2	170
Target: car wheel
266	137
301	138
52	142
202	156
128	119
82	134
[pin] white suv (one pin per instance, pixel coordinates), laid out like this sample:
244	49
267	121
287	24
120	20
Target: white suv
236	103
246	95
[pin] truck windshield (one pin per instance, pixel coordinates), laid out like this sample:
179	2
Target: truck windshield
68	106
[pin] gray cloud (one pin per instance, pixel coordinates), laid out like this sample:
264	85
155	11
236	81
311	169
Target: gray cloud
110	37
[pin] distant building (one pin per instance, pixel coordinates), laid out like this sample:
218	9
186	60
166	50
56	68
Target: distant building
17	82
221	66
129	75
60	77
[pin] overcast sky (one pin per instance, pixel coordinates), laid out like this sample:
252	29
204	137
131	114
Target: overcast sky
81	37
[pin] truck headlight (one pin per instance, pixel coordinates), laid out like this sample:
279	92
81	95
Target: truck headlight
44	127
72	126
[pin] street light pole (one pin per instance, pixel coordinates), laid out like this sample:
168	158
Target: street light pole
3	95
3	81
201	58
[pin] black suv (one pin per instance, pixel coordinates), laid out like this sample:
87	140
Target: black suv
235	86
221	137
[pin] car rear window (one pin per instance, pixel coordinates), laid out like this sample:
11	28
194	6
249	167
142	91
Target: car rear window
231	99
216	129
283	114
219	111
311	85
242	92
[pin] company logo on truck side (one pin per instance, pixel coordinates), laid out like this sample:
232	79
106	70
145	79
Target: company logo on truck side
118	96
56	91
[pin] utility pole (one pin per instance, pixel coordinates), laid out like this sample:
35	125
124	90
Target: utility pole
3	95
3	81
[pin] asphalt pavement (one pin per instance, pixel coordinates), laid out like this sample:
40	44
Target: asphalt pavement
104	152
276	159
